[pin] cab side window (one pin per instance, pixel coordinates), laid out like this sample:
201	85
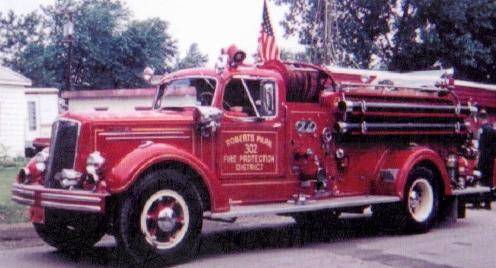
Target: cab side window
250	98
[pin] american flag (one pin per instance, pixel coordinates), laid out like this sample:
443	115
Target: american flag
267	46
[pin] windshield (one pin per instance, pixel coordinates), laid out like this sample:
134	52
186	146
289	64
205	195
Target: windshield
186	92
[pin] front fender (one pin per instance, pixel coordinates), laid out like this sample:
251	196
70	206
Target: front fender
397	164
127	171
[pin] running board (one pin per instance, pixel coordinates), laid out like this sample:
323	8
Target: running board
287	208
472	190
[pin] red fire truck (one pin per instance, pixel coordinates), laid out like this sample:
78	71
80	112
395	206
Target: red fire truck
281	138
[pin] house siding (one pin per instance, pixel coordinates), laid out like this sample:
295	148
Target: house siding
47	111
13	117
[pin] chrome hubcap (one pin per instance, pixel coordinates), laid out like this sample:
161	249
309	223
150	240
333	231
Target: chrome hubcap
164	219
415	200
420	200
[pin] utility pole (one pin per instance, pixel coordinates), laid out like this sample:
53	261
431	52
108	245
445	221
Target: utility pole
326	33
330	32
69	38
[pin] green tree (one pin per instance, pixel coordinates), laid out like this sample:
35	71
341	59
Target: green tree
288	55
194	58
359	28
459	33
401	35
143	43
110	50
17	33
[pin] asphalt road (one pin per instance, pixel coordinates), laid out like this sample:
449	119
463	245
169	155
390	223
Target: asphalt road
278	242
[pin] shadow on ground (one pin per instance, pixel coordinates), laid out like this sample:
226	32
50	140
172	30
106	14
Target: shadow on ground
233	240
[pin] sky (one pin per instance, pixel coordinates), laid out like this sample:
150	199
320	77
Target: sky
213	24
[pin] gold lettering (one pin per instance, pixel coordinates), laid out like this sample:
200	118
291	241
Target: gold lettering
264	140
240	139
230	159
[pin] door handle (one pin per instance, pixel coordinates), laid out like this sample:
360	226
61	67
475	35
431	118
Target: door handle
277	125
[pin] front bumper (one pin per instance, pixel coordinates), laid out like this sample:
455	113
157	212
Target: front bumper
74	200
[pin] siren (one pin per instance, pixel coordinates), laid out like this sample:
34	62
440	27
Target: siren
235	56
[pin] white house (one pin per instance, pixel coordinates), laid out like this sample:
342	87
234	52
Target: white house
13	112
114	100
42	110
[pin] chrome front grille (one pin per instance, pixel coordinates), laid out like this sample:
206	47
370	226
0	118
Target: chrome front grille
63	147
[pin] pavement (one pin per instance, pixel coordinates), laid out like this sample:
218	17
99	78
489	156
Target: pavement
273	241
18	235
24	235
16	231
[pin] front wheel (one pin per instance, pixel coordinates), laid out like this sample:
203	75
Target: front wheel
161	220
70	232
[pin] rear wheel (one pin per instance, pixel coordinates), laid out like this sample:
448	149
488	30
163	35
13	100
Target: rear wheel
70	232
419	209
161	220
421	200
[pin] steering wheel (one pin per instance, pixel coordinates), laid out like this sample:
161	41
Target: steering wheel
227	104
206	98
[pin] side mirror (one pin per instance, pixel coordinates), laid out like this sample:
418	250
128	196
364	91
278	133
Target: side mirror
267	98
148	74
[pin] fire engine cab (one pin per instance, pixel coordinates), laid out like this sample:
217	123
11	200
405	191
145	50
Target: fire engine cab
281	138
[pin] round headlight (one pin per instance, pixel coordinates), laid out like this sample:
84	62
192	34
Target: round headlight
91	169
40	166
95	159
42	156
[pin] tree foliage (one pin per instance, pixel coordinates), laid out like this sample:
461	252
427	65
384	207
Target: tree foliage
287	55
194	58
110	49
401	35
17	32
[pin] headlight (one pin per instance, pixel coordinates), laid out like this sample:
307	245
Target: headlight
94	165
40	159
40	166
95	159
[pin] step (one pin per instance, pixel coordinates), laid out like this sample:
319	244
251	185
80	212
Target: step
286	208
472	190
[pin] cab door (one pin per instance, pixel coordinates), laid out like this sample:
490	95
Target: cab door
251	141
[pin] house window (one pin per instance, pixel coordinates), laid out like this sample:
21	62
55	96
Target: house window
32	115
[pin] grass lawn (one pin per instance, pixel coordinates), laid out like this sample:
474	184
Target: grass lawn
9	211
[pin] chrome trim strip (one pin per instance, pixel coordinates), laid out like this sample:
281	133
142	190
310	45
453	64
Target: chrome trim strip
344	127
137	133
147	137
353	85
41	188
22	200
348	106
71	197
286	208
472	190
22	191
85	208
